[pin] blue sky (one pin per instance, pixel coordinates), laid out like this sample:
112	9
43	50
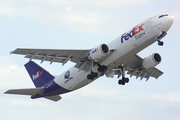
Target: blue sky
79	24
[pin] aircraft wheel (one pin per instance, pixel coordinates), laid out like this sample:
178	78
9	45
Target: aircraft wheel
126	80
94	74
88	76
160	43
121	82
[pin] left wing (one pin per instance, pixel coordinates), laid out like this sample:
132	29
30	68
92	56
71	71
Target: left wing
132	65
60	55
52	55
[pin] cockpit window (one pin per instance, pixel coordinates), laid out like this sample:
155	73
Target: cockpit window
163	15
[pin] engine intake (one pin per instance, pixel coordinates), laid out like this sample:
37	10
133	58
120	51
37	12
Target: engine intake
151	61
98	52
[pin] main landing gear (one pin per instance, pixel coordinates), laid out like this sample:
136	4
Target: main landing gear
92	75
123	80
101	68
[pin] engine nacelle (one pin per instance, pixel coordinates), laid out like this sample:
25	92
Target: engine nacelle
98	52
151	61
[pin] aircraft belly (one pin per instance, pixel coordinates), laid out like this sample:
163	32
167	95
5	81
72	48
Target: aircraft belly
81	84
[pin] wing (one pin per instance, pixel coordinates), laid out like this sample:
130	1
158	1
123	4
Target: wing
132	65
52	55
59	55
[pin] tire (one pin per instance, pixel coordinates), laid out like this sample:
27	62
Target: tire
120	82
127	80
88	76
161	43
95	74
123	82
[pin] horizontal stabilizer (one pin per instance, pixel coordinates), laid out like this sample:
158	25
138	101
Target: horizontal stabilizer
53	98
30	91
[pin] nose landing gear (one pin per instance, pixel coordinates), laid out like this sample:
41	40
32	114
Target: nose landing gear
159	37
160	43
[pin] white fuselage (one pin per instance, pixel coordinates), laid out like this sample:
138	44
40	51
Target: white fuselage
128	44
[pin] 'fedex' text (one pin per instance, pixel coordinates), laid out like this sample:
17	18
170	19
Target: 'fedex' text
134	31
94	50
39	73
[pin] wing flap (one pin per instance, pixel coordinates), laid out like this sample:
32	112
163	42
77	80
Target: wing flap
30	91
152	72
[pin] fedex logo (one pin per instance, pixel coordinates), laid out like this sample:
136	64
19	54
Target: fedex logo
95	50
134	31
39	73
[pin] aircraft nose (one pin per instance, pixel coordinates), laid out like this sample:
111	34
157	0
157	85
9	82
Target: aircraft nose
168	23
171	19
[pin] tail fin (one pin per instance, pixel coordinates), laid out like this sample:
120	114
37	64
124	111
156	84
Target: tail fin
39	76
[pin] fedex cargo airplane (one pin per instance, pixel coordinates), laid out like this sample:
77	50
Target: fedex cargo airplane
115	58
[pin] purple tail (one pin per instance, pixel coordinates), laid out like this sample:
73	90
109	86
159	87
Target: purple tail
39	76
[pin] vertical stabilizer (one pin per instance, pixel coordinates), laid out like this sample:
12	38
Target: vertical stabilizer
39	76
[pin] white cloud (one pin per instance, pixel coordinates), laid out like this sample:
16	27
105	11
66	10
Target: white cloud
49	2
88	16
12	75
7	8
173	97
115	4
106	4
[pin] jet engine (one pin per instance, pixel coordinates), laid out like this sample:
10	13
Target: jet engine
151	61
98	52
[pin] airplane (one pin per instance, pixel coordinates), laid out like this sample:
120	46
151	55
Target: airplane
115	58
